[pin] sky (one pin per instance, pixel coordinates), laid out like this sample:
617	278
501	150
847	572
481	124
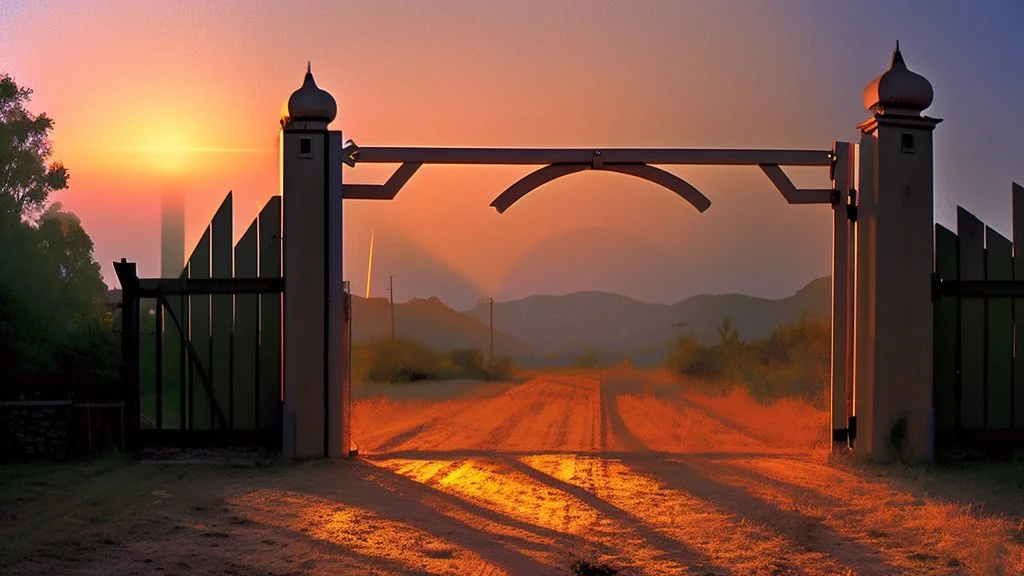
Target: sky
149	97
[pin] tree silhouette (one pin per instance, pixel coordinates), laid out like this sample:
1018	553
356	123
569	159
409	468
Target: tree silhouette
56	336
27	176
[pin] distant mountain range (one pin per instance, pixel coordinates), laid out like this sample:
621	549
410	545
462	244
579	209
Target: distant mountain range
558	328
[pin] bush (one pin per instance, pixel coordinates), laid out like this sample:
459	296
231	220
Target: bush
792	361
404	360
468	363
501	368
588	359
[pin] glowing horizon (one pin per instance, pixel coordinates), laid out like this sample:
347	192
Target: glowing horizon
190	96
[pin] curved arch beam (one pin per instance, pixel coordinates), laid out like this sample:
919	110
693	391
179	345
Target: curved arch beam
538	178
666	179
534	180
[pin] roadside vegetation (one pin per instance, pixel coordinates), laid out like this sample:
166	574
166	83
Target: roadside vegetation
403	361
792	361
57	337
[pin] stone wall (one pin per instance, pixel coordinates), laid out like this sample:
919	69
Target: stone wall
57	429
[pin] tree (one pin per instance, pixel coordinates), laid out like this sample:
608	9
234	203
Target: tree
56	337
27	176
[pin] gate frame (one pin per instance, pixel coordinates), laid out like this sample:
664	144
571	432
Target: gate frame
316	392
133	290
882	258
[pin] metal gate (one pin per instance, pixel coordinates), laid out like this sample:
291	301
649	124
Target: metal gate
202	352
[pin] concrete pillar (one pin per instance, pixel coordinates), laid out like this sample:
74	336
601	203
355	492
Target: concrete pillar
894	262
313	298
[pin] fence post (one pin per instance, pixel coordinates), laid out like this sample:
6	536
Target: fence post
127	275
894	262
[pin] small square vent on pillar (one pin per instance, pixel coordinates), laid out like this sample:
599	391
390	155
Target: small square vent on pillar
907	143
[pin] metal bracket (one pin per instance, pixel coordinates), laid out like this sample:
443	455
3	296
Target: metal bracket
350	153
386	191
851	205
790	192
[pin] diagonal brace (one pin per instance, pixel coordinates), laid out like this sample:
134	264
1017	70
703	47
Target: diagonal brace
386	191
791	193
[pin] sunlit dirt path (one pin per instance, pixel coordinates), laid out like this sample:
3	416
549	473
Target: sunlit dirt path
624	469
614	469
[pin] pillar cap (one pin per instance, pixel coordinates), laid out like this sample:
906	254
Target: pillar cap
898	90
309	103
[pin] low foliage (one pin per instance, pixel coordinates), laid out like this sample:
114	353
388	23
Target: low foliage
588	359
792	361
584	568
404	360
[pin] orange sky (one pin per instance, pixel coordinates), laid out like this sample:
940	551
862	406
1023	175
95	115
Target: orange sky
150	95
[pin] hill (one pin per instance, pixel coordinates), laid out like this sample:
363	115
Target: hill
557	329
564	326
431	322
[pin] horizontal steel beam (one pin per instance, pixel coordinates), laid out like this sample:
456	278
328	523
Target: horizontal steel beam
693	156
977	288
153	287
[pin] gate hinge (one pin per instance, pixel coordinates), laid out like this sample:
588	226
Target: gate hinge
851	205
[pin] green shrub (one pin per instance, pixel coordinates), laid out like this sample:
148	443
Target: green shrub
501	368
791	361
404	360
468	363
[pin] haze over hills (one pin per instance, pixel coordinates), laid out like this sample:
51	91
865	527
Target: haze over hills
560	327
599	321
431	322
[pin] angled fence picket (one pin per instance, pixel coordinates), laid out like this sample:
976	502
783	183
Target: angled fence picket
1018	307
971	254
946	400
246	333
270	317
999	334
200	414
221	308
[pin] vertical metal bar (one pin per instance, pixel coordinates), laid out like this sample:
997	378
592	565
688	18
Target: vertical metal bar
159	363
210	370
127	274
839	410
256	390
1018	306
183	416
231	381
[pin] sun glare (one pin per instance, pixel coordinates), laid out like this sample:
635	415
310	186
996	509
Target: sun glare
168	149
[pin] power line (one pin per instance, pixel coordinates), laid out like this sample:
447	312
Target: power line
391	293
490	302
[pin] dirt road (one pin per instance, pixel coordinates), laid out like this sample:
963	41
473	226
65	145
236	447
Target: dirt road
621	469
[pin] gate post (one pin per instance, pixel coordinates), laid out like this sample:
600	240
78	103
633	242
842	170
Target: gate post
128	277
313	311
894	262
841	397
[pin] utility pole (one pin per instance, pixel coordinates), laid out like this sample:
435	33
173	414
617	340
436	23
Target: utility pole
391	293
490	302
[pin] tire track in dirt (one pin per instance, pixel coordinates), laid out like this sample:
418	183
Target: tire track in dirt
615	428
722	419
